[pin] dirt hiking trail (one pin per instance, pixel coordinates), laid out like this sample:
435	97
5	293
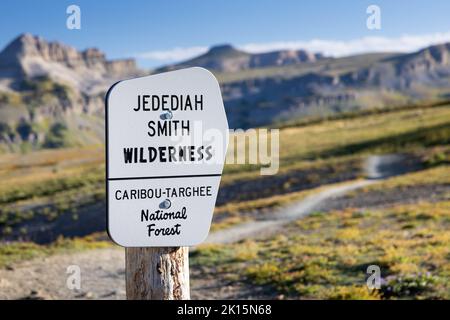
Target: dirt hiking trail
103	270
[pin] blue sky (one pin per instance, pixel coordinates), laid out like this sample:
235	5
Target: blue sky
157	32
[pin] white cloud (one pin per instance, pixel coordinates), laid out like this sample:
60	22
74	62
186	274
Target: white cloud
335	48
175	54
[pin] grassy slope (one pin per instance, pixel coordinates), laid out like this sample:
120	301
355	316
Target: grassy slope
66	176
58	176
326	256
365	134
57	181
72	177
14	252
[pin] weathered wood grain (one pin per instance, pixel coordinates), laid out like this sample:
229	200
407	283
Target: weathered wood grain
157	273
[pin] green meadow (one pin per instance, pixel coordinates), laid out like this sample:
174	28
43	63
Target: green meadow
324	255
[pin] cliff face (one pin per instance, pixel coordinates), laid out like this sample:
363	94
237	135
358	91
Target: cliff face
27	47
30	56
389	80
48	83
282	58
427	67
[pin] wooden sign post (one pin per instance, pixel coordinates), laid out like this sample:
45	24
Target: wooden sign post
157	273
166	141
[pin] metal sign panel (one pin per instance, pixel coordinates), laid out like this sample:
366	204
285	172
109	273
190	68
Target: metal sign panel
166	140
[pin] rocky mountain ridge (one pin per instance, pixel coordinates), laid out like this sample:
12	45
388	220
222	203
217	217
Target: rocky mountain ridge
52	95
226	58
397	79
30	56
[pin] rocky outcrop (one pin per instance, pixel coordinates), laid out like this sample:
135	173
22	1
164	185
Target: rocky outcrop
261	101
28	46
30	56
282	58
53	83
429	66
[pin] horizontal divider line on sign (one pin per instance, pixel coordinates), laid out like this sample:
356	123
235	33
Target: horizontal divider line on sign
166	177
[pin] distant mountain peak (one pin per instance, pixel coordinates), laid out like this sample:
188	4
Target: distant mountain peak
19	44
23	37
227	58
222	48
